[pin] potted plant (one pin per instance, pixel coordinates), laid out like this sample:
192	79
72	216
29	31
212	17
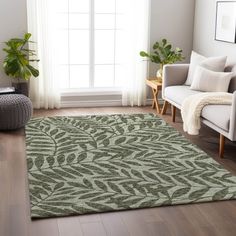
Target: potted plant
17	62
163	54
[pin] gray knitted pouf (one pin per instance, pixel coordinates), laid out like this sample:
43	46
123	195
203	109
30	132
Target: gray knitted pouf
15	111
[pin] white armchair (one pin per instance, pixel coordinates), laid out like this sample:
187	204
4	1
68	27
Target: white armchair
221	118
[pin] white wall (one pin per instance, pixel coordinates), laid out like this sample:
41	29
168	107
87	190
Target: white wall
204	32
13	22
173	20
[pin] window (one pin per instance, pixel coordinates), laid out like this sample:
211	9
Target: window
90	43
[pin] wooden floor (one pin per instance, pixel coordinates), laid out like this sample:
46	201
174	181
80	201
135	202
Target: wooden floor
217	218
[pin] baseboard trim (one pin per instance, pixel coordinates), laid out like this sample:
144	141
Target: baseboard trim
94	103
72	104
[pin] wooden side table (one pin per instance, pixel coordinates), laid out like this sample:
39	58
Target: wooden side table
156	86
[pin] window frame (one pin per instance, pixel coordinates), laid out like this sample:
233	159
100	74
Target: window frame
92	30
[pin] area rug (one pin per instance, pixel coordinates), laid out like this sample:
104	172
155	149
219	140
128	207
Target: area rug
89	164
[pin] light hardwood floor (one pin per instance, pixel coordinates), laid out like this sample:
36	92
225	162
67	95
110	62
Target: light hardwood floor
217	218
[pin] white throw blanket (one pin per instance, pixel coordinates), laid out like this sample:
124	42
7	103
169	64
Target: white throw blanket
192	108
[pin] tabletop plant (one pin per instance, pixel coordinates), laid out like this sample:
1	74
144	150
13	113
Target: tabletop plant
17	61
163	53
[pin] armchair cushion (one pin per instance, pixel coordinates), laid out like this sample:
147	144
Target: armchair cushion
219	115
177	94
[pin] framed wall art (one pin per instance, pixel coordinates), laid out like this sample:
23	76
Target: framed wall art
225	29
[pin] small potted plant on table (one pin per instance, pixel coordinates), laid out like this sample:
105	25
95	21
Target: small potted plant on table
17	62
163	54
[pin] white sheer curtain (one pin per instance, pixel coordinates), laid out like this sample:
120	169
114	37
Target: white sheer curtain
137	30
44	90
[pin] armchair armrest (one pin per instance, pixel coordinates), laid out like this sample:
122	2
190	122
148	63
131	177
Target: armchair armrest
232	128
175	74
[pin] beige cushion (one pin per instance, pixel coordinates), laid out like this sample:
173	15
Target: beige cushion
209	81
212	63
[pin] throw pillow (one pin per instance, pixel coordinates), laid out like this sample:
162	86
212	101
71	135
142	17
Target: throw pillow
211	63
210	81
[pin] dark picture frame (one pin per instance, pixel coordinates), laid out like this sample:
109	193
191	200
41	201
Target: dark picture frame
225	25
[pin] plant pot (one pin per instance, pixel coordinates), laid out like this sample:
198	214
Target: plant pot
21	87
159	73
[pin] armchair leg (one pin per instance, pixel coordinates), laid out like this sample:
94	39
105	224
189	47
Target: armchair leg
222	146
173	112
164	108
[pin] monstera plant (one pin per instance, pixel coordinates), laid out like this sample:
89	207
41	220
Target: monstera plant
163	53
17	62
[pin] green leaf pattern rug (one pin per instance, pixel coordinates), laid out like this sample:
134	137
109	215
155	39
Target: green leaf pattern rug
89	164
